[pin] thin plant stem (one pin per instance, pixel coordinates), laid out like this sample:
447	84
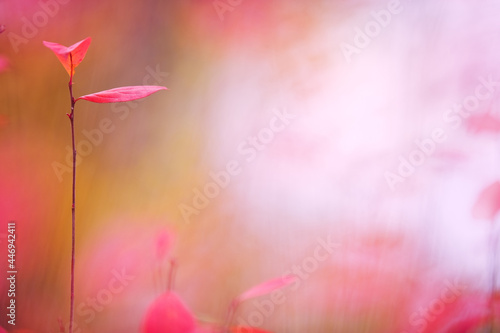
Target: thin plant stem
171	277
72	121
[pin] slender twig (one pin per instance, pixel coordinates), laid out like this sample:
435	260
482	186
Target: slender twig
171	277
121	94
72	121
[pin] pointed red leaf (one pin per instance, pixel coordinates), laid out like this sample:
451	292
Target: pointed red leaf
488	203
122	94
77	52
168	313
266	287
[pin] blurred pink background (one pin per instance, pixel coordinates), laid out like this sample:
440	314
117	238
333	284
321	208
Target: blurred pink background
287	124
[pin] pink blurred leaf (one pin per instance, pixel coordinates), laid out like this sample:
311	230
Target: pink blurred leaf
470	324
168	314
2	28
484	122
266	287
122	94
488	203
71	56
468	313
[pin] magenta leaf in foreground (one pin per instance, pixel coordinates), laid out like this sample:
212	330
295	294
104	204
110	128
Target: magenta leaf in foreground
266	287
168	313
122	94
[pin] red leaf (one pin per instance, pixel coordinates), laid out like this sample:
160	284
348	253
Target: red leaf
243	329
77	52
266	287
122	94
168	314
2	28
488	203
